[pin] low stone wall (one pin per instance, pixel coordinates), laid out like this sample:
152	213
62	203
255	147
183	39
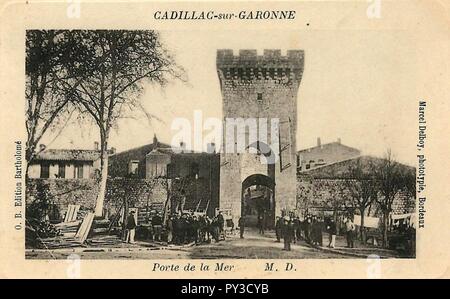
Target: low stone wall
321	193
139	193
59	193
328	193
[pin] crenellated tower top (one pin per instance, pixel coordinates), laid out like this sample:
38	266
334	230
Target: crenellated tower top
250	66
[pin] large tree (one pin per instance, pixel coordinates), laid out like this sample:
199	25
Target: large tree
392	178
118	63
48	55
362	188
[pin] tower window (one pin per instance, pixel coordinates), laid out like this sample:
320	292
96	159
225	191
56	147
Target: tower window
259	98
45	170
195	169
133	166
61	170
78	171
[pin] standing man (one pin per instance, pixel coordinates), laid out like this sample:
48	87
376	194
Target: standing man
176	229
157	226
215	229
319	231
349	228
131	228
314	230
169	227
297	229
183	224
221	224
195	229
241	224
287	234
261	221
202	228
278	227
331	228
208	229
308	229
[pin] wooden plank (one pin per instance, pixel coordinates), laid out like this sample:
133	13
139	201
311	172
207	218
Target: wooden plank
75	213
68	213
72	212
63	225
69	234
85	227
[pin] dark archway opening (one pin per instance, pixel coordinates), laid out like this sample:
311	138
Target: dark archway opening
258	201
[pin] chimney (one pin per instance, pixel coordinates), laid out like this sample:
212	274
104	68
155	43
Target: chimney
319	143
339	140
182	146
42	147
96	145
155	141
211	148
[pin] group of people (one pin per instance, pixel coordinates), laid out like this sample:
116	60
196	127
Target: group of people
156	225
187	228
292	229
180	228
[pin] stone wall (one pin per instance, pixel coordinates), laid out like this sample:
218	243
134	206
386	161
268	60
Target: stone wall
139	193
326	194
62	192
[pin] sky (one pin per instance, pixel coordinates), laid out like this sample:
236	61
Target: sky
357	85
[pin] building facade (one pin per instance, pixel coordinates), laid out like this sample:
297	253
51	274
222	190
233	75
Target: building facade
324	154
65	164
193	174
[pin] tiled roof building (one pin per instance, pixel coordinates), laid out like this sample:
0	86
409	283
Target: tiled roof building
64	164
324	154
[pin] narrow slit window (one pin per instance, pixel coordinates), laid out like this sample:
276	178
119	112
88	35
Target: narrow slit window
259	98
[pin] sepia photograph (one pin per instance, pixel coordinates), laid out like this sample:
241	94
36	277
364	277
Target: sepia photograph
203	144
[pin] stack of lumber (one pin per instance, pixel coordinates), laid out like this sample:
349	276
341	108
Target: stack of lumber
68	229
67	241
104	241
60	242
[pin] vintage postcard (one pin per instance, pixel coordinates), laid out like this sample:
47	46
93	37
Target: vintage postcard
224	139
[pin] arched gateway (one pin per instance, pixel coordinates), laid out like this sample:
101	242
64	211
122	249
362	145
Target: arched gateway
258	185
264	88
258	200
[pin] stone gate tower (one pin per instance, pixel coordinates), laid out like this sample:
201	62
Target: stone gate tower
263	87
